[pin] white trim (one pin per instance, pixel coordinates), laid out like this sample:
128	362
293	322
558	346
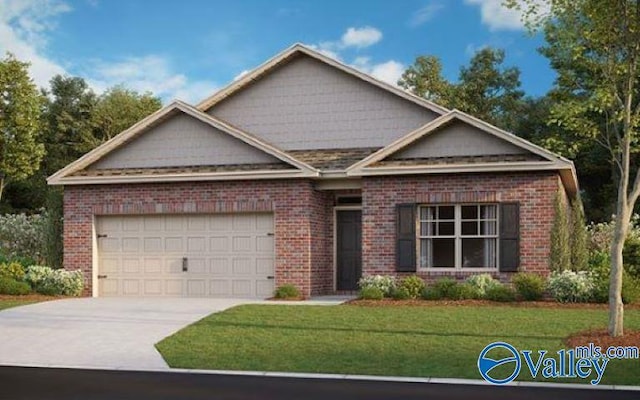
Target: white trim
62	176
299	48
95	254
453	168
335	237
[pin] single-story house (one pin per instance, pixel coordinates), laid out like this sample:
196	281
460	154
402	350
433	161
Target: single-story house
308	172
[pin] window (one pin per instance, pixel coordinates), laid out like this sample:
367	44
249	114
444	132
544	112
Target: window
458	236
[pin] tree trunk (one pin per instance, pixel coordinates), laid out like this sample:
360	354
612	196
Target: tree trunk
616	308
1	185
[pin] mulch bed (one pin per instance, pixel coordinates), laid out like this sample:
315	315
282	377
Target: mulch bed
299	298
600	337
528	304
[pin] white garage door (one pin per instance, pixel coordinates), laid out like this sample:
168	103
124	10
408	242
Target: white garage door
213	255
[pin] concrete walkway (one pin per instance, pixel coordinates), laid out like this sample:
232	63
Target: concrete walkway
98	332
110	333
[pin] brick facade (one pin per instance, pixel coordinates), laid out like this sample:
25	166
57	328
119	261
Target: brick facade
535	191
304	217
289	200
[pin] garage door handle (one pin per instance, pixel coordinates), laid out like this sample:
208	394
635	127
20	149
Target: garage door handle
185	264
271	277
102	276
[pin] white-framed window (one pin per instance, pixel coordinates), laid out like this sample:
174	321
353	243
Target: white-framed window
458	236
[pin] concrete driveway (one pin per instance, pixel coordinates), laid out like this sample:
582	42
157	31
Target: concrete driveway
98	332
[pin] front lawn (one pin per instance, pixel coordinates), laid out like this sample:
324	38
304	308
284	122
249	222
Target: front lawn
421	341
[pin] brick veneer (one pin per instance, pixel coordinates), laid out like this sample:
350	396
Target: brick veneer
535	191
289	200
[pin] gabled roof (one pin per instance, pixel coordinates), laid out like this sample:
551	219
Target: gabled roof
547	160
70	174
300	49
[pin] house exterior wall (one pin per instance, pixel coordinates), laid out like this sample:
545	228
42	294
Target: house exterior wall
535	192
307	104
458	139
300	212
183	141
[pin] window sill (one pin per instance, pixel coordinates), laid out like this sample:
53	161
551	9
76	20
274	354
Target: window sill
465	270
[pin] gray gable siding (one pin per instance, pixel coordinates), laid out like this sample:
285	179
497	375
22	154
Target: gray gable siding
307	104
457	139
183	141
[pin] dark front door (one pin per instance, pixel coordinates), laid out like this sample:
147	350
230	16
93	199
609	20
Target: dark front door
348	248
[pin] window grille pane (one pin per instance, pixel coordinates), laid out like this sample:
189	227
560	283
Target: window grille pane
443	253
478	253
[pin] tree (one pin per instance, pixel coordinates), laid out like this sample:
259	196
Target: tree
594	46
119	108
424	78
485	88
20	150
560	252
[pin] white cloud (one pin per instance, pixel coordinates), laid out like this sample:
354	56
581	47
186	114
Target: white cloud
498	17
241	74
389	71
426	13
152	73
472	49
360	37
24	25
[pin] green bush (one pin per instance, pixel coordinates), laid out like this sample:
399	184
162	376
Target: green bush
445	287
482	282
630	289
401	293
530	287
54	282
600	268
370	293
23	235
385	283
287	291
430	293
500	293
413	285
12	287
571	287
12	270
24	261
464	291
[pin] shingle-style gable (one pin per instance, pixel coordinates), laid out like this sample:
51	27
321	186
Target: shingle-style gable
307	104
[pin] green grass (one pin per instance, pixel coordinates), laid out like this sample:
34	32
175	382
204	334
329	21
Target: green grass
434	341
14	303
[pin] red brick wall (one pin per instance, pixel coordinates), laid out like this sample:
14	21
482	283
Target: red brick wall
534	191
289	200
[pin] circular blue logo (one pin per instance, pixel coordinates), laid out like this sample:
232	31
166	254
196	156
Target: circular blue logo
486	364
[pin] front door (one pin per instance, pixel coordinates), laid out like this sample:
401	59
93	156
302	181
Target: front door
348	248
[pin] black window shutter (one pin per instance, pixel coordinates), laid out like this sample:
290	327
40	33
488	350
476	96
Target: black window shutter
406	238
509	237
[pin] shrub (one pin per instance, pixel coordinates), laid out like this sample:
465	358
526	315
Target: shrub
464	291
445	287
529	287
385	284
401	293
601	236
482	283
430	293
287	291
413	285
13	287
500	293
560	252
571	287
600	268
579	237
370	293
630	289
54	282
23	235
12	270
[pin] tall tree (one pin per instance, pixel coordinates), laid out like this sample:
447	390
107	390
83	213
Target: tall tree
20	102
119	108
594	46
485	88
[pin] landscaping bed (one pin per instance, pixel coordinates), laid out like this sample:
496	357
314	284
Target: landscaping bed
7	301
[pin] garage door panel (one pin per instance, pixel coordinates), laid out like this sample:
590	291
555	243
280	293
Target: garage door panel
219	266
153	245
152	266
228	255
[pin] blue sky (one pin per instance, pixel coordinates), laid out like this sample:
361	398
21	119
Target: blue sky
187	49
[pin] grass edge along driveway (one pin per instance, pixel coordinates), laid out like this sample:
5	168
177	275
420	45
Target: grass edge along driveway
428	341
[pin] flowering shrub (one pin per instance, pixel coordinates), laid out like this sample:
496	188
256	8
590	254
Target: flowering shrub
23	235
12	270
482	283
51	281
571	287
385	284
413	286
